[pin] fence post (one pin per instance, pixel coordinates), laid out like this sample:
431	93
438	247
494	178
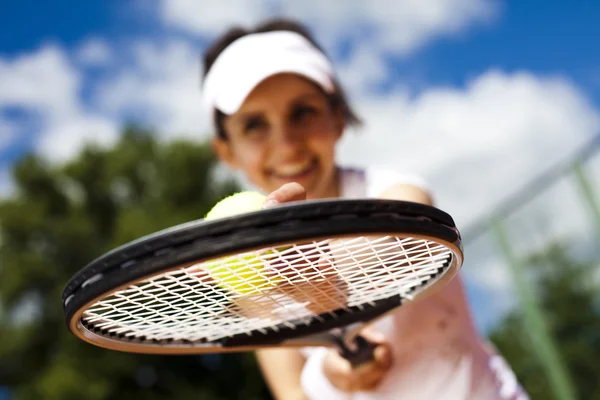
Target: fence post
588	195
533	318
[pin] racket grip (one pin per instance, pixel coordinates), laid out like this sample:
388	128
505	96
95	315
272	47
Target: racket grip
363	353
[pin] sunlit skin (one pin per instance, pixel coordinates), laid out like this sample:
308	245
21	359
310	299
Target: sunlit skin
285	131
283	139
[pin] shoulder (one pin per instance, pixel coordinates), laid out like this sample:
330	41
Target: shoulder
380	181
393	183
379	178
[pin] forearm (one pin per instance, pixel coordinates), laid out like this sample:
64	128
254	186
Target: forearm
282	369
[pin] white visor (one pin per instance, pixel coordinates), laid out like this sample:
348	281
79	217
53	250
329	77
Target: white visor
253	58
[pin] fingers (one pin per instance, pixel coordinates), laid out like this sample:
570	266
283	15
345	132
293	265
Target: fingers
289	192
364	377
383	356
319	296
367	376
382	359
372	335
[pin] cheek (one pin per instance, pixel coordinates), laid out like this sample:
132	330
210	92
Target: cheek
324	139
326	128
251	158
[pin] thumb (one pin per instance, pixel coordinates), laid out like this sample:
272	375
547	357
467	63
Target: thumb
383	355
289	192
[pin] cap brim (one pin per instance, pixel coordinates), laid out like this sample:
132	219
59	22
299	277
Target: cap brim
250	60
231	97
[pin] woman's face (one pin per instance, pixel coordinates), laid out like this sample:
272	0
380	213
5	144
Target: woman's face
285	131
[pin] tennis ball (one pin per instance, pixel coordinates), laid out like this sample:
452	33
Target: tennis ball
244	273
237	203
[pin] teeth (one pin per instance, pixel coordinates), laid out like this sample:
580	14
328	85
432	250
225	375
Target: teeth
293	170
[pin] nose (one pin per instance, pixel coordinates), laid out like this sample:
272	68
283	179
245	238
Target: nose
289	142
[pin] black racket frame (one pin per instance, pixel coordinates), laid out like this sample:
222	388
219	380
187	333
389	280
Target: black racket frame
292	222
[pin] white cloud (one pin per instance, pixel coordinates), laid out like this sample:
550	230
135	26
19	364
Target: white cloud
94	52
399	26
6	183
47	86
475	145
363	70
42	81
62	140
162	87
207	17
7	132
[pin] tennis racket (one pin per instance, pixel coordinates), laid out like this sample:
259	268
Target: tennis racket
310	273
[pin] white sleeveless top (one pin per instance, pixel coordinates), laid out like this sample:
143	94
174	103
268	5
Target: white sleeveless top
437	351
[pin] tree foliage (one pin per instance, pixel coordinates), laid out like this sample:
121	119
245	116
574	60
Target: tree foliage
62	217
567	293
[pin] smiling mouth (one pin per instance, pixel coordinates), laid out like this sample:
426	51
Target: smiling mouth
296	173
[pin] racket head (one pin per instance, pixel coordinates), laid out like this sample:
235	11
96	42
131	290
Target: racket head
103	304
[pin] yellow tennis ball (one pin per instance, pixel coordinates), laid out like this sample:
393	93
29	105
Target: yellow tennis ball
237	203
244	273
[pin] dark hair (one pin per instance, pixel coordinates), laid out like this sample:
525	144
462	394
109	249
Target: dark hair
337	99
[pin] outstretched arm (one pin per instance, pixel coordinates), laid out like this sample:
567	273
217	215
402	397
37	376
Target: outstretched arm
282	369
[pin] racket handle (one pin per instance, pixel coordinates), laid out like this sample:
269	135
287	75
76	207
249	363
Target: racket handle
363	353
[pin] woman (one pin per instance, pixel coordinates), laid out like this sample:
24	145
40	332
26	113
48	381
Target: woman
279	113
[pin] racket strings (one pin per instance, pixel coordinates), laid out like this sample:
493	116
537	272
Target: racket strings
262	290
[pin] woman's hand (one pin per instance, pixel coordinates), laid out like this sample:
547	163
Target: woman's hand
337	369
318	295
289	192
365	377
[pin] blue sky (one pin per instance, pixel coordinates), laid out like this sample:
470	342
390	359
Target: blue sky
545	37
486	81
548	37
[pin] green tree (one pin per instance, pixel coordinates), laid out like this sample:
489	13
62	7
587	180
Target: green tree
567	292
62	217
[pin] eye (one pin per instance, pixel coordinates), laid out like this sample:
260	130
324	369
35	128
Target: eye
254	124
302	112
